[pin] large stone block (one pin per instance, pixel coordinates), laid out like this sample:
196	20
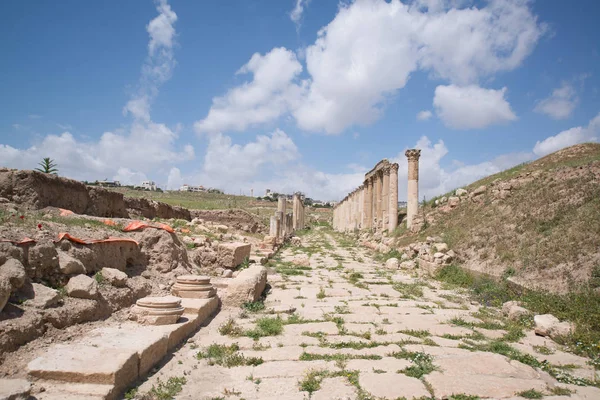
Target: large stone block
149	344
230	255
246	287
83	287
80	363
14	389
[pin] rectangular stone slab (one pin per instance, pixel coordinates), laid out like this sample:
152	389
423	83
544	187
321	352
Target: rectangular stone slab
80	363
150	346
230	255
76	391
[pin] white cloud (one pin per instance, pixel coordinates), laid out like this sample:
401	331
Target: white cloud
233	162
159	64
175	180
264	99
570	137
424	115
560	104
296	14
471	107
366	54
147	147
128	155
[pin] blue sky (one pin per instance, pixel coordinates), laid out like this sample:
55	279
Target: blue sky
295	95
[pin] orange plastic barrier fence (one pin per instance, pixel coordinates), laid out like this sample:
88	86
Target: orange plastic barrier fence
64	235
139	225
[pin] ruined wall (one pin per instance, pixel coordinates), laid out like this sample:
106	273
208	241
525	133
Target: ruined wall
235	218
37	190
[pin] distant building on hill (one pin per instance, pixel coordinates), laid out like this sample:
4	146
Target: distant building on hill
190	188
149	185
106	183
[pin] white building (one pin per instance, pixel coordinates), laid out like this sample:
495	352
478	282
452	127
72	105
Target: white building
149	185
190	188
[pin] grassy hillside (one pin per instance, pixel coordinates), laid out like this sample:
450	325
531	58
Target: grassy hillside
546	234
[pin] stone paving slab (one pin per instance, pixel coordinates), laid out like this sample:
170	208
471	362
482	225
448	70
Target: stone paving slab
391	385
80	363
482	385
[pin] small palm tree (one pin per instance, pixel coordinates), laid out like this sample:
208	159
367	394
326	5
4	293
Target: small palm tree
48	166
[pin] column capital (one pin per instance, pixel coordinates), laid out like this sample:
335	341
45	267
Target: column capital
413	154
386	171
394	167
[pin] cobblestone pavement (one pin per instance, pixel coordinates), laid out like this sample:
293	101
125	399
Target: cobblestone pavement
338	325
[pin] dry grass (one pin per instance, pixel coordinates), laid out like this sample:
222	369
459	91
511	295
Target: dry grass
546	233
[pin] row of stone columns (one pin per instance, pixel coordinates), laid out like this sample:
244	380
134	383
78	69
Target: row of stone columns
283	224
374	204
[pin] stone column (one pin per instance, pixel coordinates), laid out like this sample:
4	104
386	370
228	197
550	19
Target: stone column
377	199
385	190
413	186
393	196
273	226
279	226
282	206
361	207
296	211
366	205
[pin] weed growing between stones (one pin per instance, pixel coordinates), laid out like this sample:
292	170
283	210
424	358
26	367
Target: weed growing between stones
311	382
167	390
416	333
531	394
230	328
254	306
422	365
226	356
409	290
266	326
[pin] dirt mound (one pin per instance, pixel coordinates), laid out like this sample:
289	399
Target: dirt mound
537	223
139	206
162	251
37	190
234	218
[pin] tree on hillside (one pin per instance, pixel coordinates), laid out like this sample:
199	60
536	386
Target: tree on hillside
48	166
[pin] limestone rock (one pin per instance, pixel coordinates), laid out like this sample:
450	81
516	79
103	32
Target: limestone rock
246	287
410	264
69	265
453	202
43	296
83	287
296	241
227	273
460	192
382	248
441	247
549	325
392	263
514	311
222	228
444	199
438	255
14	389
230	255
480	190
114	276
301	260
5	290
14	271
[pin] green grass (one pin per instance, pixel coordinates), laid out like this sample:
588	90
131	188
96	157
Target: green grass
582	307
226	356
337	356
422	364
167	390
531	394
311	382
266	326
416	333
254	306
230	328
409	290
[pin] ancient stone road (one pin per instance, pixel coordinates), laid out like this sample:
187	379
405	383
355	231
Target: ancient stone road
360	331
